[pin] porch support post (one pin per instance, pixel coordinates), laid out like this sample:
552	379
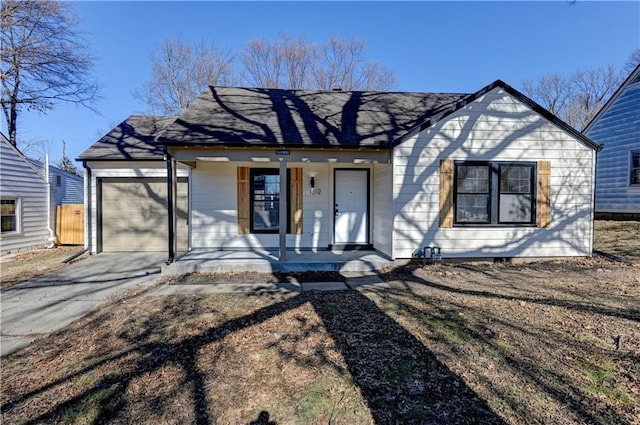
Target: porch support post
283	210
171	207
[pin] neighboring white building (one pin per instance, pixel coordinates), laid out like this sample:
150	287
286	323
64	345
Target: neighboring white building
489	174
25	202
617	128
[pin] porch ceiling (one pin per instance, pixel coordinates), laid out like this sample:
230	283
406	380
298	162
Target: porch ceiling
352	156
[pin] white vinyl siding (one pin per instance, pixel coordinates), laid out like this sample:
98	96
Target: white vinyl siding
495	127
214	208
618	129
382	214
21	181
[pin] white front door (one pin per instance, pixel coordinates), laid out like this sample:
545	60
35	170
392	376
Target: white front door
351	207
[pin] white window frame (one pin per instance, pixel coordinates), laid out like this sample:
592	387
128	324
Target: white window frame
17	215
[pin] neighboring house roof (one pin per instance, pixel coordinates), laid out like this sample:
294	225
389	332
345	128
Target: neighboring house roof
633	78
134	138
231	116
54	169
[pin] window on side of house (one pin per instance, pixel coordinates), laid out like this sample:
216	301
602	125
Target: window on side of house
634	169
265	200
494	193
9	208
58	181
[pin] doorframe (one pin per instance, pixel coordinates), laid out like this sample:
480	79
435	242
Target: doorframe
351	246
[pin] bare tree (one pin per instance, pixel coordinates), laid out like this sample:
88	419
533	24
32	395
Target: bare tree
180	72
294	64
632	61
552	90
36	149
285	63
342	64
591	88
45	59
577	97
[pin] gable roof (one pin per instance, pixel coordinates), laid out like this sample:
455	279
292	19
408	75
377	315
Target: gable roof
232	116
453	107
134	138
633	78
258	117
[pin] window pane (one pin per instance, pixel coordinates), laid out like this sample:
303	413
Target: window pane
472	208
9	223
515	209
8	213
635	167
635	176
266	201
473	179
515	179
266	215
8	207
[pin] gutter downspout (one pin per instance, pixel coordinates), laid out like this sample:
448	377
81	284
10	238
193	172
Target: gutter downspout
87	207
52	235
593	197
170	208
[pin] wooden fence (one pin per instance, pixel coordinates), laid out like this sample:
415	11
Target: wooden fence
70	224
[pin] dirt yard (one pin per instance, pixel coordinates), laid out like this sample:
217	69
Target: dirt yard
547	342
29	264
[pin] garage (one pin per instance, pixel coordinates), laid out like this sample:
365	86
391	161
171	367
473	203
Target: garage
132	215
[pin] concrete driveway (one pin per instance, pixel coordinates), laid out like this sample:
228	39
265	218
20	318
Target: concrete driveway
50	302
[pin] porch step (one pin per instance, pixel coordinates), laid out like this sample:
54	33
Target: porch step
268	262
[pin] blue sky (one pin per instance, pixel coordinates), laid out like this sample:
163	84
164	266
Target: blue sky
430	46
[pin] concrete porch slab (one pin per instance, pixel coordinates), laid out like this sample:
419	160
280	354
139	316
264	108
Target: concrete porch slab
267	261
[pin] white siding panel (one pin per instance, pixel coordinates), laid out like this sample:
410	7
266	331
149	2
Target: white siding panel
214	208
383	209
20	179
495	128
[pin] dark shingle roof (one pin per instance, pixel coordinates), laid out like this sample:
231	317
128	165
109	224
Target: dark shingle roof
232	116
134	138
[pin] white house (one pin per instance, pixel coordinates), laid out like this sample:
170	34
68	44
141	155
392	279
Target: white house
24	196
489	174
617	128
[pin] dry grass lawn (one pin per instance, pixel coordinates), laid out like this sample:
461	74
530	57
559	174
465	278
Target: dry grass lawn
26	265
549	342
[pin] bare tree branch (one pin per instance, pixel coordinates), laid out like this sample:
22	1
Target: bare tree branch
632	61
575	98
343	65
294	64
180	72
45	59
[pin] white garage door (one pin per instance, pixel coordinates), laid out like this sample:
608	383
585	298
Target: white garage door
134	214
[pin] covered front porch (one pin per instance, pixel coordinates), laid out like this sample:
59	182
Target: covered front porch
282	209
268	261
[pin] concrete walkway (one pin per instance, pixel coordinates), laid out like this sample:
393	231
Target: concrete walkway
48	303
353	280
